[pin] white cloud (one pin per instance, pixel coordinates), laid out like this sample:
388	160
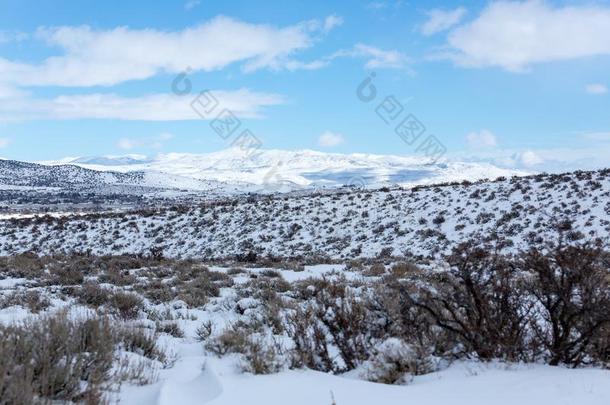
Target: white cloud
108	57
380	58
155	107
7	91
313	65
329	139
377	58
441	20
331	22
482	139
515	35
4	142
191	4
596	88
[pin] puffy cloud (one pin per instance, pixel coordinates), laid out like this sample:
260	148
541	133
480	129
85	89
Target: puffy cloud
108	57
441	20
515	35
155	107
329	139
596	88
482	139
530	158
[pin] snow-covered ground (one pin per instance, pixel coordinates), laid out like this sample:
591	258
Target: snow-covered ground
199	377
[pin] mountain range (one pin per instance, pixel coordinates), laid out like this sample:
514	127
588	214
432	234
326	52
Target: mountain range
233	171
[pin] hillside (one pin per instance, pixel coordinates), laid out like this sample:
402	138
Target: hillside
342	225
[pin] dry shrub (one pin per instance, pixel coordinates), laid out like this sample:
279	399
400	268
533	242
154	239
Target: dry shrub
117	276
333	320
143	342
33	300
311	347
404	269
157	292
25	265
55	358
232	340
270	273
71	272
197	292
395	362
261	356
126	305
375	270
233	271
92	294
204	331
171	328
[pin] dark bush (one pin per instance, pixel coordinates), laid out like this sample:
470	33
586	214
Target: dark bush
571	284
480	303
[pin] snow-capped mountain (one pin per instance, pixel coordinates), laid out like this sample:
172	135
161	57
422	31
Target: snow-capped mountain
272	170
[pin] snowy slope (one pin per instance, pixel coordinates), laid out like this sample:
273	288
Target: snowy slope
15	175
343	225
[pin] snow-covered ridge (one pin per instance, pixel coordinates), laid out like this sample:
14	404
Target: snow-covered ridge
24	176
267	170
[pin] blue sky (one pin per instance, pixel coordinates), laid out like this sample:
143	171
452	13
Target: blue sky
520	84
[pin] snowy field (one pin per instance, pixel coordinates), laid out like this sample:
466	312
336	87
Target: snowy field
193	374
